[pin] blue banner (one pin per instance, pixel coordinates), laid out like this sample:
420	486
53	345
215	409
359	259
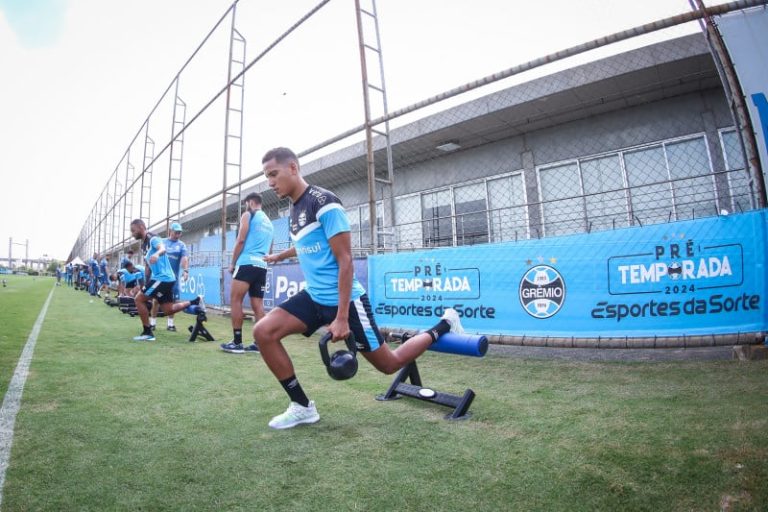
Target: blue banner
286	280
684	278
283	281
202	281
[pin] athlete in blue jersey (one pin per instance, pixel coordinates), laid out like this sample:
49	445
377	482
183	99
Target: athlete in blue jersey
127	258
121	273
177	255
321	236
94	274
159	278
133	279
104	275
84	281
68	274
249	270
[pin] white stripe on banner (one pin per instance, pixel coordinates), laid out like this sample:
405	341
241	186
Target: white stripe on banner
12	400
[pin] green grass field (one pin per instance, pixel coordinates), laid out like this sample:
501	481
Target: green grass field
110	424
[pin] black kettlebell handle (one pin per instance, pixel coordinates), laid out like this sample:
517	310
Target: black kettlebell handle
326	357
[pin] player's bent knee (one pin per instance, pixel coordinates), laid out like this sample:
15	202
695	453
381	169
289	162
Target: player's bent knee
264	333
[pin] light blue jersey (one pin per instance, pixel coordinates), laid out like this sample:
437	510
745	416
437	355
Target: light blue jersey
136	275
103	266
161	269
175	249
94	267
258	241
316	217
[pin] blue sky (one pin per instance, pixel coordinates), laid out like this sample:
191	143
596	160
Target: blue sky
36	23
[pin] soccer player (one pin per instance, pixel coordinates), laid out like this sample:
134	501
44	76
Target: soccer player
133	279
177	254
68	274
321	236
94	275
104	275
249	270
159	278
128	258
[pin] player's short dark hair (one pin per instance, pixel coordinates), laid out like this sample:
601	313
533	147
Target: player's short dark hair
253	196
281	156
138	222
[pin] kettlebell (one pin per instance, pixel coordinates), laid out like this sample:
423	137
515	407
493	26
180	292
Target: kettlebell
342	365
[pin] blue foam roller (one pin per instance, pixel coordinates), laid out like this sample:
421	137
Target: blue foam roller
475	345
192	309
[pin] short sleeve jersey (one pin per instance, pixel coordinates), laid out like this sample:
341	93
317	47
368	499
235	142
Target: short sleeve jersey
137	275
94	267
175	249
103	266
258	241
161	269
316	217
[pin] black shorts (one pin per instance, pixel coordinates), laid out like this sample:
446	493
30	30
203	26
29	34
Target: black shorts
256	277
314	315
161	292
130	285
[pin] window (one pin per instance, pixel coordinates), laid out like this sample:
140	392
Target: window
648	178
437	224
471	209
606	202
408	222
562	204
507	213
738	176
665	181
693	196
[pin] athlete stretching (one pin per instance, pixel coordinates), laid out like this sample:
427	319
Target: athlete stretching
159	279
321	236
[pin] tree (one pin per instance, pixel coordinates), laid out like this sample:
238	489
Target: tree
52	266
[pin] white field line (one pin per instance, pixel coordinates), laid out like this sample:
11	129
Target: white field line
12	400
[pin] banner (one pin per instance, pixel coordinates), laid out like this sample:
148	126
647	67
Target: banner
283	281
746	36
202	281
286	280
685	278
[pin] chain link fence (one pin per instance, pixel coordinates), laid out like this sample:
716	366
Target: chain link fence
633	133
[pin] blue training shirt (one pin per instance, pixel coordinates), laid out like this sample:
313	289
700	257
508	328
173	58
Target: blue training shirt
258	241
94	267
316	217
161	269
175	249
137	275
103	266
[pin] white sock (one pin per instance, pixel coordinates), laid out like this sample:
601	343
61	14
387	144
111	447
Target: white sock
152	321
170	322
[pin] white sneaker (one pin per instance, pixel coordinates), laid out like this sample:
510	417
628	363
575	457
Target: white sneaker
295	415
452	317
